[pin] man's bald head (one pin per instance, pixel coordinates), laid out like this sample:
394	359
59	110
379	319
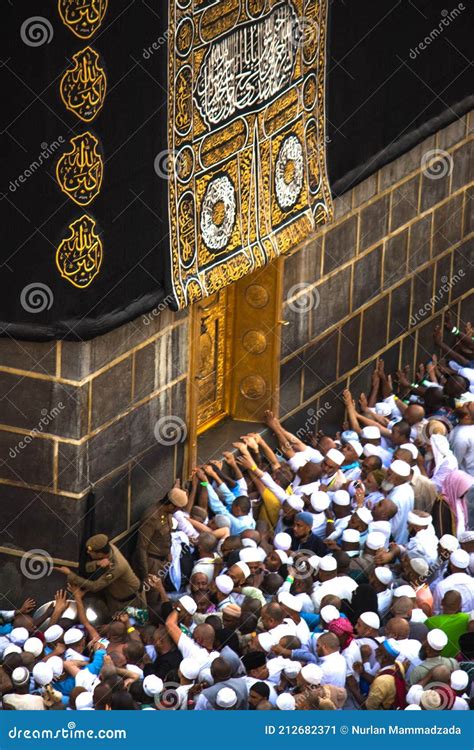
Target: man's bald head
413	413
204	635
384	510
328	643
397	628
452	602
402	607
221	669
441	673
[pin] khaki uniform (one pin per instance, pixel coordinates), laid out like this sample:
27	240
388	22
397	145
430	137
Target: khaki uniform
154	541
119	584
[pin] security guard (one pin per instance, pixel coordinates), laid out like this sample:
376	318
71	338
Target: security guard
109	573
154	533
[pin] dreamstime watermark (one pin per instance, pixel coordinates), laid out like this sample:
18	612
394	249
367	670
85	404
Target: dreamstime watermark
428	307
36	297
67	733
155	46
436	164
170	430
47	150
169	163
46	418
314	415
163	305
36	31
303	298
447	17
36	564
305	32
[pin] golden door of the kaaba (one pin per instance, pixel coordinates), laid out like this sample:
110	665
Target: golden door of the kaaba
235	350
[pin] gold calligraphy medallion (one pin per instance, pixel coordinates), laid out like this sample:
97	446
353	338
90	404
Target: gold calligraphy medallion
79	171
82	17
84	85
79	256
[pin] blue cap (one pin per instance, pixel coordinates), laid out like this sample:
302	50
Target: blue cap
305	517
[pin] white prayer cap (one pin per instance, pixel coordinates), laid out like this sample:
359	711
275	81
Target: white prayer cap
266	641
357	446
373	450
336	456
226	698
405	590
383	409
459	558
43	673
412	707
295	501
188	603
319	501
381	526
282	541
449	542
420	566
72	636
57	665
384	575
341	497
224	584
459	679
12	649
207	569
152	685
84	701
411	448
312	674
189	668
375	540
286	702
371	619
466	536
370	432
283	556
329	613
290	601
84	678
243	567
33	646
351	535
400	468
417	520
328	563
437	639
431	700
414	694
20	676
249	555
292	669
18	636
315	562
364	514
248	542
53	633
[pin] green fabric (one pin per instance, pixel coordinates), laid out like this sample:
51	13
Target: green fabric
454	626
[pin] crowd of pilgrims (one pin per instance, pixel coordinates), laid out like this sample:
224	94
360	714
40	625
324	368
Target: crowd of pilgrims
327	572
